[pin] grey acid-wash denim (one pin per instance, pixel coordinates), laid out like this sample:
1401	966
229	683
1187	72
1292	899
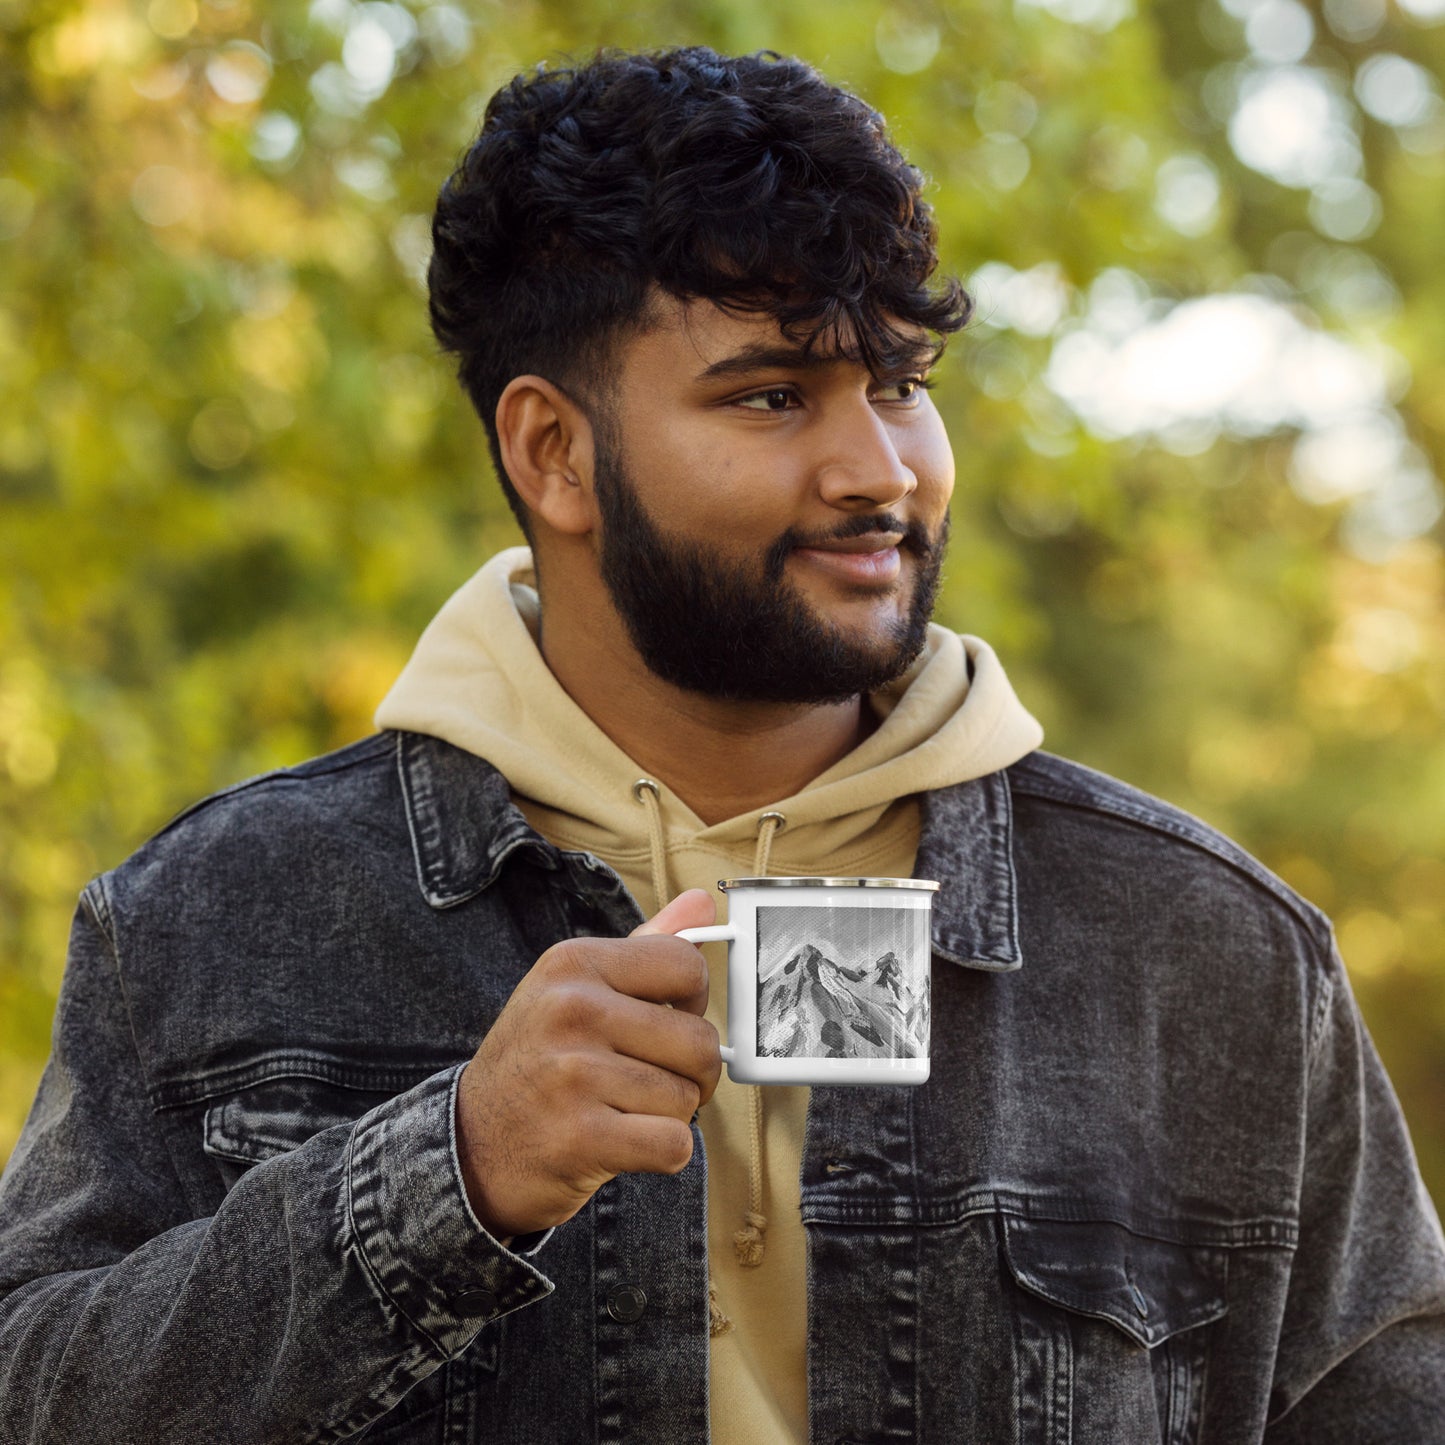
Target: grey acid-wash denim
1156	1189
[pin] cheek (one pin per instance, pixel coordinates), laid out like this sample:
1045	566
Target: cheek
930	458
692	475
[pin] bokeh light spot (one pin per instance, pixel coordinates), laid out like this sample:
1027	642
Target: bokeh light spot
906	46
275	138
240	73
162	196
172	19
1092	14
1382	639
1031	302
1371	942
220	435
1004	108
1394	90
1354	19
1291	126
1005	161
1187	194
1345	210
1279	31
446	32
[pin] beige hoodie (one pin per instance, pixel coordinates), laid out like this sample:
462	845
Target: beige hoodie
478	680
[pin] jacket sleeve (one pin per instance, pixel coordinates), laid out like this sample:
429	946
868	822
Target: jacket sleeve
1362	1345
329	1281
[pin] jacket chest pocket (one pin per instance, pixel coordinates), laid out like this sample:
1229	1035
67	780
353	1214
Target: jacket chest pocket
1111	1332
258	1123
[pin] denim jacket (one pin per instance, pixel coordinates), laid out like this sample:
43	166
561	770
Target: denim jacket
1156	1189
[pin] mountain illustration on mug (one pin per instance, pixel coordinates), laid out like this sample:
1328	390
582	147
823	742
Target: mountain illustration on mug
812	1006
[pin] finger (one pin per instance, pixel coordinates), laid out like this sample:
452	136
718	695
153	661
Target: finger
692	909
641	1143
670	1039
633	1087
657	969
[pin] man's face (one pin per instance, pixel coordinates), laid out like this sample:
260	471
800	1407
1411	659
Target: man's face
772	529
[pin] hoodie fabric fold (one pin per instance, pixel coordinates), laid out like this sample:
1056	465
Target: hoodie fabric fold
478	680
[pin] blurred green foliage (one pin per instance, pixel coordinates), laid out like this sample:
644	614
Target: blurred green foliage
236	480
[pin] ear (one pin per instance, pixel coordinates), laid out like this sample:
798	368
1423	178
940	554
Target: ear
547	448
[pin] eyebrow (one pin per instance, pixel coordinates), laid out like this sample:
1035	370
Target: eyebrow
764	357
769	357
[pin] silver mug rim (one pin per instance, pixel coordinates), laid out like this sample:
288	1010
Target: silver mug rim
922	884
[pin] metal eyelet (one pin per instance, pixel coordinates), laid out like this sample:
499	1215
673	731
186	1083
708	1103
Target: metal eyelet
781	817
645	785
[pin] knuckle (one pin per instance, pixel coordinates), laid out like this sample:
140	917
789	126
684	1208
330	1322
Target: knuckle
581	1139
706	1043
677	1149
573	1007
697	969
575	957
689	1096
569	1070
564	1088
687	968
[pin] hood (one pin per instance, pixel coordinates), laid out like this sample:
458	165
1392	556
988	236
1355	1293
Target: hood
478	680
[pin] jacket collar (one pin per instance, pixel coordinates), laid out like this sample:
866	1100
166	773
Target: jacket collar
464	827
967	844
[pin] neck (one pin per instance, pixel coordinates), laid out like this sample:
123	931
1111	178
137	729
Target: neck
722	758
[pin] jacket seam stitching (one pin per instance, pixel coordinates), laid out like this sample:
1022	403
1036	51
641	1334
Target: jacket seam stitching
1258	1232
112	946
408	807
355	755
183	1093
1319	1019
1011	865
98	902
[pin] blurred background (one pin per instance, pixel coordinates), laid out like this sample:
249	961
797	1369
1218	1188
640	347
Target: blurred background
1200	422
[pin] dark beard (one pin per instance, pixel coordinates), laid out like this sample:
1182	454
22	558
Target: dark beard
741	633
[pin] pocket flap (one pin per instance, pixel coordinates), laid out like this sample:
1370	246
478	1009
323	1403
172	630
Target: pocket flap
1149	1288
279	1115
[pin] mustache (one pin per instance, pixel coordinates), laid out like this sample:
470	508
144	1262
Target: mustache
916	538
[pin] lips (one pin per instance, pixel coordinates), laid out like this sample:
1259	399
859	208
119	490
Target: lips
869	542
872	558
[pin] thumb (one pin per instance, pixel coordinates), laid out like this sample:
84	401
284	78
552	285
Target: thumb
693	909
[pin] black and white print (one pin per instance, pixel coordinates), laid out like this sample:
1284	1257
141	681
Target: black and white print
842	983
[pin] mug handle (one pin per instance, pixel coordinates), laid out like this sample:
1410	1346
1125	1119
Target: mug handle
714	933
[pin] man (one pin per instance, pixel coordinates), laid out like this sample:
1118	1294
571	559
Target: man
376	1107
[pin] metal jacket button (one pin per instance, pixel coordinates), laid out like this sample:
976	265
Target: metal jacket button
473	1303
626	1303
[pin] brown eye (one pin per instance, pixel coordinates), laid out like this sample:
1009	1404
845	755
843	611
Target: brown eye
775	398
907	391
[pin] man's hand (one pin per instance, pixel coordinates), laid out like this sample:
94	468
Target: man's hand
594	1068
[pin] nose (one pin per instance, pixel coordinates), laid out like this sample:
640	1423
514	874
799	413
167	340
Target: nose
862	469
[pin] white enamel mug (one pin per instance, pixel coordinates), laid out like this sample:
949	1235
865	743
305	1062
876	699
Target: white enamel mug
828	979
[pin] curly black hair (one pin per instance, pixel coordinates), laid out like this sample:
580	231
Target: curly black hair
749	181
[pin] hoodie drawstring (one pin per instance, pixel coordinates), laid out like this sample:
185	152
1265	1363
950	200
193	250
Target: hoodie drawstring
646	792
748	1242
769	826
